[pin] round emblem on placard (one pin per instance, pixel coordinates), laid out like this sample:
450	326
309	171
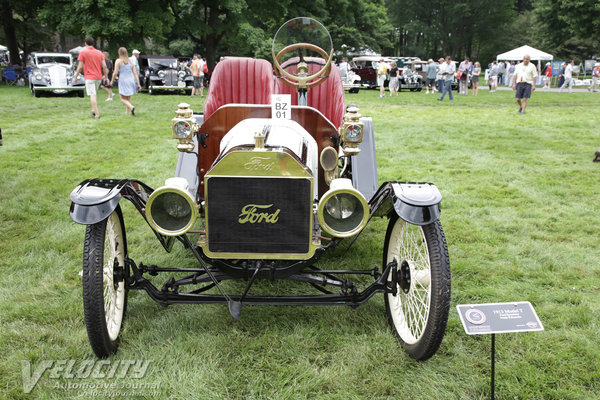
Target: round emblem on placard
532	324
475	316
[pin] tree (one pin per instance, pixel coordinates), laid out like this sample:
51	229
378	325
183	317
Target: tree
119	22
447	27
569	26
22	29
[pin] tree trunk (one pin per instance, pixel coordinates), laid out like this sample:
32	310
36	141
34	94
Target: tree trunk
9	32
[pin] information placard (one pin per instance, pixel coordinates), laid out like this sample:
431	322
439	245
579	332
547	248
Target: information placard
281	106
482	319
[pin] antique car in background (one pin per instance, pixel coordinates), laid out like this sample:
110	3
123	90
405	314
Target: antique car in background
366	68
165	74
53	73
412	75
267	181
352	82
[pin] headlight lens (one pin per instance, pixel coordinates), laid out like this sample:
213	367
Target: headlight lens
341	206
181	74
38	77
171	210
161	74
354	133
343	211
182	129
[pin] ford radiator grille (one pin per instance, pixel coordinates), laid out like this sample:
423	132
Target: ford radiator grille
258	215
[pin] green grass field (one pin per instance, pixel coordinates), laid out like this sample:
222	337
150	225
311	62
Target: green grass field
520	211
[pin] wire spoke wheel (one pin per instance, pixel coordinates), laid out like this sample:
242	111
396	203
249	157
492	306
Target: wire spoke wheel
104	291
418	312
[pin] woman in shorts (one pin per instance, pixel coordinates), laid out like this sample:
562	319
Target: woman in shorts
394	83
475	77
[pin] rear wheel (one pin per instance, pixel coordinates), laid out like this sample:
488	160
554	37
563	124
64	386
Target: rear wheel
418	312
104	291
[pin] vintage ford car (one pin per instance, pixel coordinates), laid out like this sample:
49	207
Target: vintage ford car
266	182
165	74
53	73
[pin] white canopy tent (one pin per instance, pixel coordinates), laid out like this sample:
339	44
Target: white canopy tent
518	53
3	48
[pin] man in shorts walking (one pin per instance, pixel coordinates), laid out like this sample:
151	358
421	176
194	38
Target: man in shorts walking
197	68
91	61
524	82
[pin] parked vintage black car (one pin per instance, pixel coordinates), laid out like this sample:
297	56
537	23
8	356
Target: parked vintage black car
53	73
267	181
165	74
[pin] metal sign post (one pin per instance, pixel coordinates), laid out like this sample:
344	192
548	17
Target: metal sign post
492	318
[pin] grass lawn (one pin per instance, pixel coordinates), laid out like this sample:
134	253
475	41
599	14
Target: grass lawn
520	211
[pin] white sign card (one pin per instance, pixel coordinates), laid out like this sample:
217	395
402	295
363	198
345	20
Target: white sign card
281	106
481	319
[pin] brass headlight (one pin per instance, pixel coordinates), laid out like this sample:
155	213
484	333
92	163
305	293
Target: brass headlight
343	211
353	131
171	209
184	128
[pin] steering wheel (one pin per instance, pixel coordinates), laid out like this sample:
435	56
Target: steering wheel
303	80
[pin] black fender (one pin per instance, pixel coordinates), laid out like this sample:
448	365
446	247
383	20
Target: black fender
93	200
417	203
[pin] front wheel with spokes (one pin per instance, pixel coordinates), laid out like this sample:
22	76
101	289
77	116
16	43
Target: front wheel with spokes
418	311
104	289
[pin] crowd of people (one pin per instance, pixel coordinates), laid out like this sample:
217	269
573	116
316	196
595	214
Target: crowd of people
99	72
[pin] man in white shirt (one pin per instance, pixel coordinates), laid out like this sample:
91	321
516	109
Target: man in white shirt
134	60
524	82
568	77
448	69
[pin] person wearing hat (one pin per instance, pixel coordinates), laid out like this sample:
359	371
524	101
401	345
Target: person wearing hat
595	75
135	55
547	75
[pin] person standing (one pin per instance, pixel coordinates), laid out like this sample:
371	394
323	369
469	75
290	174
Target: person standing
524	82
431	74
129	82
134	59
561	77
463	83
439	83
501	70
510	71
394	83
344	68
197	68
475	79
547	76
595	75
568	77
382	69
493	77
91	62
106	86
448	70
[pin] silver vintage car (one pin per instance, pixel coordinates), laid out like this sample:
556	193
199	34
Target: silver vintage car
53	73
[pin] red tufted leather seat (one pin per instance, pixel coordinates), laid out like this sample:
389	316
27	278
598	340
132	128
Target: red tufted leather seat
328	97
239	80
